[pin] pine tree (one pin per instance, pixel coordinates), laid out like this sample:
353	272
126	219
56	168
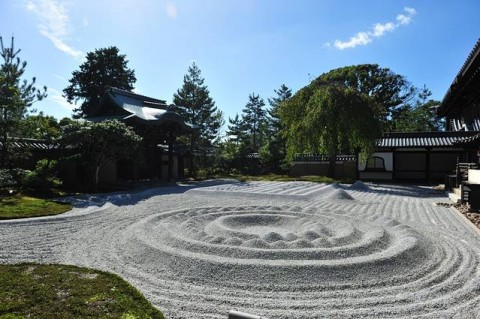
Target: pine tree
195	105
235	130
283	94
277	144
104	68
15	98
254	118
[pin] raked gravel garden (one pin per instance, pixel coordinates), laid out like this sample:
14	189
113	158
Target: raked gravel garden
274	249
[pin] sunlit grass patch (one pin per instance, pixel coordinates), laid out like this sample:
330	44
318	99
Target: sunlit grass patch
20	206
61	291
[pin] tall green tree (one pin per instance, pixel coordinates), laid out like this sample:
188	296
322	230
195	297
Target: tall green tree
39	126
254	120
235	129
103	68
388	89
96	144
16	96
329	118
276	147
194	104
419	117
283	94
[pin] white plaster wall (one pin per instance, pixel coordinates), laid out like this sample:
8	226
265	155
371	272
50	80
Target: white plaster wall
387	157
474	176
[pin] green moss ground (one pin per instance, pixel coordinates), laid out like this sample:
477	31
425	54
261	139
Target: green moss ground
61	291
19	206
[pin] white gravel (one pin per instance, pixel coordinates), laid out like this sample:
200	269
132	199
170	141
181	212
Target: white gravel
275	249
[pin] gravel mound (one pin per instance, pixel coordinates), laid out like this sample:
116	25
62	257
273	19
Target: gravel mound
196	254
359	185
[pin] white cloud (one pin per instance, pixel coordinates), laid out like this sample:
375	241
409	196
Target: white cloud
53	23
378	30
410	11
56	97
171	10
361	38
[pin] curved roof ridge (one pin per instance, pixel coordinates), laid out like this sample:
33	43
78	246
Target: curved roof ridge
116	90
471	56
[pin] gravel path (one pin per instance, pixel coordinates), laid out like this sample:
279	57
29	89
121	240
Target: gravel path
276	249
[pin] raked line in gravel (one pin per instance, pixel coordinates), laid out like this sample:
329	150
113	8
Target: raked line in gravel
275	249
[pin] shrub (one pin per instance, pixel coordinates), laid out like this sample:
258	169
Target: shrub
12	178
43	178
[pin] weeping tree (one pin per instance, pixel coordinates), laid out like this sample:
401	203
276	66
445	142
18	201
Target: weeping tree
391	91
330	118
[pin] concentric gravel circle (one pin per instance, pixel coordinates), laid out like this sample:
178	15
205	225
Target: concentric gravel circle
328	263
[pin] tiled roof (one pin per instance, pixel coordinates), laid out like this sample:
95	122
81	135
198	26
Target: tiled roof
143	108
468	73
143	98
425	139
29	143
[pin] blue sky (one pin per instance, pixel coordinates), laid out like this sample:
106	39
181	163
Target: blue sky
241	46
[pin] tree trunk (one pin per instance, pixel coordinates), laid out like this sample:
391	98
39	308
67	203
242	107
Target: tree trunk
331	167
191	166
333	158
97	178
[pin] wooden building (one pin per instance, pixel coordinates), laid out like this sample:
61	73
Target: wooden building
461	104
417	156
421	156
159	126
432	155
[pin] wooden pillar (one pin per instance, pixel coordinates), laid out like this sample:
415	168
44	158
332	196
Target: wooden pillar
394	168
427	164
171	140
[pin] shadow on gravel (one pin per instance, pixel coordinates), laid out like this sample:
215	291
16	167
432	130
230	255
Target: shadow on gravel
397	189
132	197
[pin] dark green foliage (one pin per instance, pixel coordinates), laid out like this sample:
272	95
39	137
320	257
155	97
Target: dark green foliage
16	96
254	122
283	94
194	104
43	179
419	117
96	144
330	118
235	129
389	90
39	126
249	136
104	68
275	150
11	178
61	291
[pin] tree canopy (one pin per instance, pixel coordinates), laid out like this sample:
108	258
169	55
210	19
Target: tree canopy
103	68
275	149
96	144
330	118
254	121
16	96
419	117
195	105
389	90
